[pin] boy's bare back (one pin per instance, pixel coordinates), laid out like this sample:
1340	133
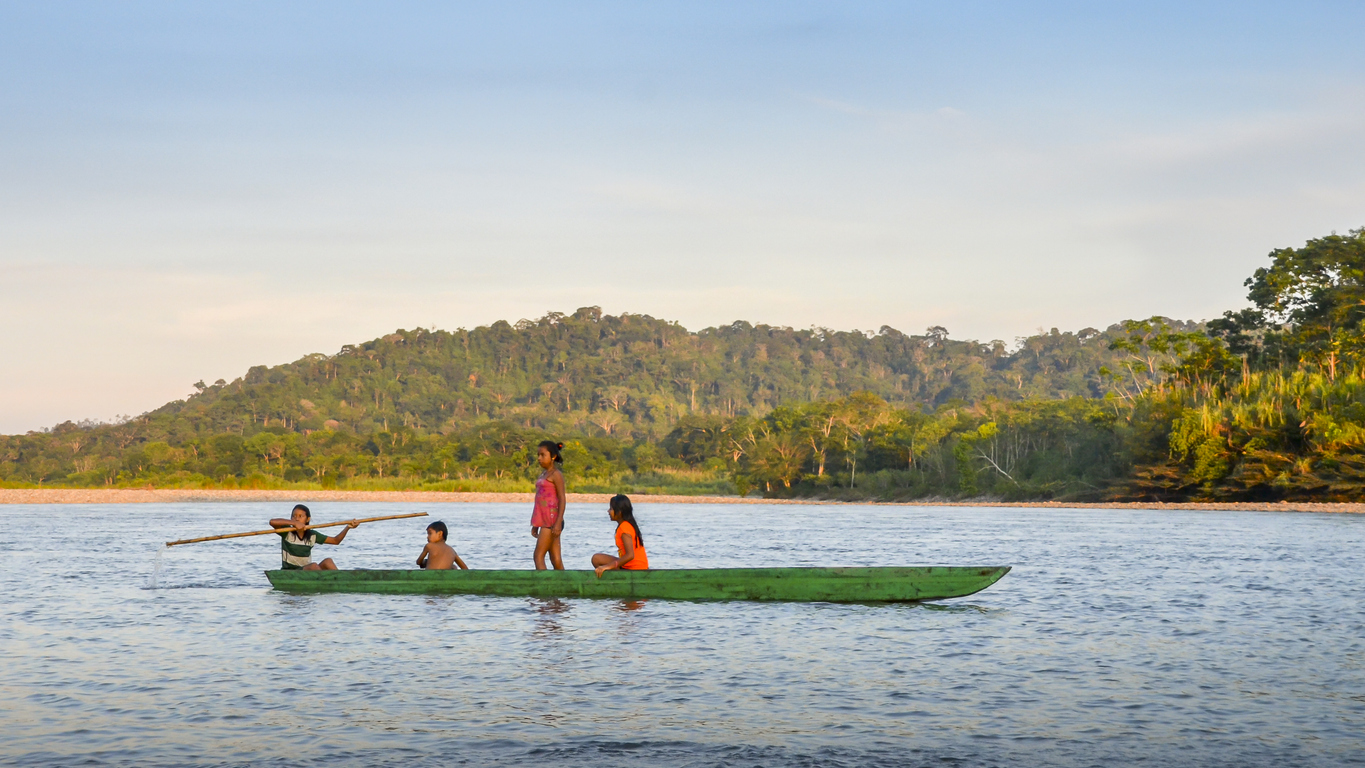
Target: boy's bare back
438	556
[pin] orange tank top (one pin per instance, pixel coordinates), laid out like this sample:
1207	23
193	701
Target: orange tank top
641	561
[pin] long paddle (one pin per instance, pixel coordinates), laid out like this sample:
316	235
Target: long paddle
292	528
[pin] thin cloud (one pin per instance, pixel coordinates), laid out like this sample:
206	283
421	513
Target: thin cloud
893	119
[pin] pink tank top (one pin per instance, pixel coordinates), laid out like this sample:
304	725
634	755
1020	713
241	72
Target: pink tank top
546	512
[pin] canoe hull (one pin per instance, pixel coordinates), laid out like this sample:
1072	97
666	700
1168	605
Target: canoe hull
833	585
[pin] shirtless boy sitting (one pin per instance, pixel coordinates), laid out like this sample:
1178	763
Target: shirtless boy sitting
437	555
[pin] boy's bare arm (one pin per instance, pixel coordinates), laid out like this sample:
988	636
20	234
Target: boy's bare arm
422	558
460	562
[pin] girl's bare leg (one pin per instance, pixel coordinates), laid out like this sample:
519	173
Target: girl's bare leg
327	565
601	559
555	559
311	567
542	546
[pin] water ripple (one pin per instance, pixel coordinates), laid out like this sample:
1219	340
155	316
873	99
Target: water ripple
1122	636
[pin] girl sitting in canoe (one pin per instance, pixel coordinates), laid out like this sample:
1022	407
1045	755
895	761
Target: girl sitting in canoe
630	545
547	518
296	544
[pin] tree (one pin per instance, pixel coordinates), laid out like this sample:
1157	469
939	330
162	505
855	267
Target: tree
606	420
778	458
269	447
1317	295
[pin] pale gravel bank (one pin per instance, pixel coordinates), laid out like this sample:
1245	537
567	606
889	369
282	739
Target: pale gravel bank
173	495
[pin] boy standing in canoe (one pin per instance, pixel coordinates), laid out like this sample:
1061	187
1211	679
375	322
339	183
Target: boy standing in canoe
296	543
437	555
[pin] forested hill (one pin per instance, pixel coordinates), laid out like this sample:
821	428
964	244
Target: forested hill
634	376
1264	402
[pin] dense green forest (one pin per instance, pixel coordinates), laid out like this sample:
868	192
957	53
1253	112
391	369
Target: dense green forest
1262	403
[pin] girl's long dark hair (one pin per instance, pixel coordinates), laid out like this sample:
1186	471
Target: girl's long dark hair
554	449
620	504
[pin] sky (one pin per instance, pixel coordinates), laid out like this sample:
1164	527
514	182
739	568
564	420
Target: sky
190	189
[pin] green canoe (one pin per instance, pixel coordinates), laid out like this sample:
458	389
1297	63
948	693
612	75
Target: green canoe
829	585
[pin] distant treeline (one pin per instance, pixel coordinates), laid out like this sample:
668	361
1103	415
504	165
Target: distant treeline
1261	403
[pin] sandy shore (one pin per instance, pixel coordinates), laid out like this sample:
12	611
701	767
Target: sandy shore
170	496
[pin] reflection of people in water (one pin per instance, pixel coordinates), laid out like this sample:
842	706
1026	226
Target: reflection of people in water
547	518
550	607
630	545
549	612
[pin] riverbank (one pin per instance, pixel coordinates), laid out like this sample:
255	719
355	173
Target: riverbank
185	495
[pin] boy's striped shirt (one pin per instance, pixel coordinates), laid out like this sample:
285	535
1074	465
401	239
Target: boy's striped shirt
297	552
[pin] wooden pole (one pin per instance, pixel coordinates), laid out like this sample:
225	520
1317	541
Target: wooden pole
291	528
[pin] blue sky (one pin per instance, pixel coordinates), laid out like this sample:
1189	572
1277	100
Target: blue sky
187	190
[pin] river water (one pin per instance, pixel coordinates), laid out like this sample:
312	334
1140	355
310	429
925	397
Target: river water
1121	637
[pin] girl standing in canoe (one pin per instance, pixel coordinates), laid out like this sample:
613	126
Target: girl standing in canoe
547	518
630	545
